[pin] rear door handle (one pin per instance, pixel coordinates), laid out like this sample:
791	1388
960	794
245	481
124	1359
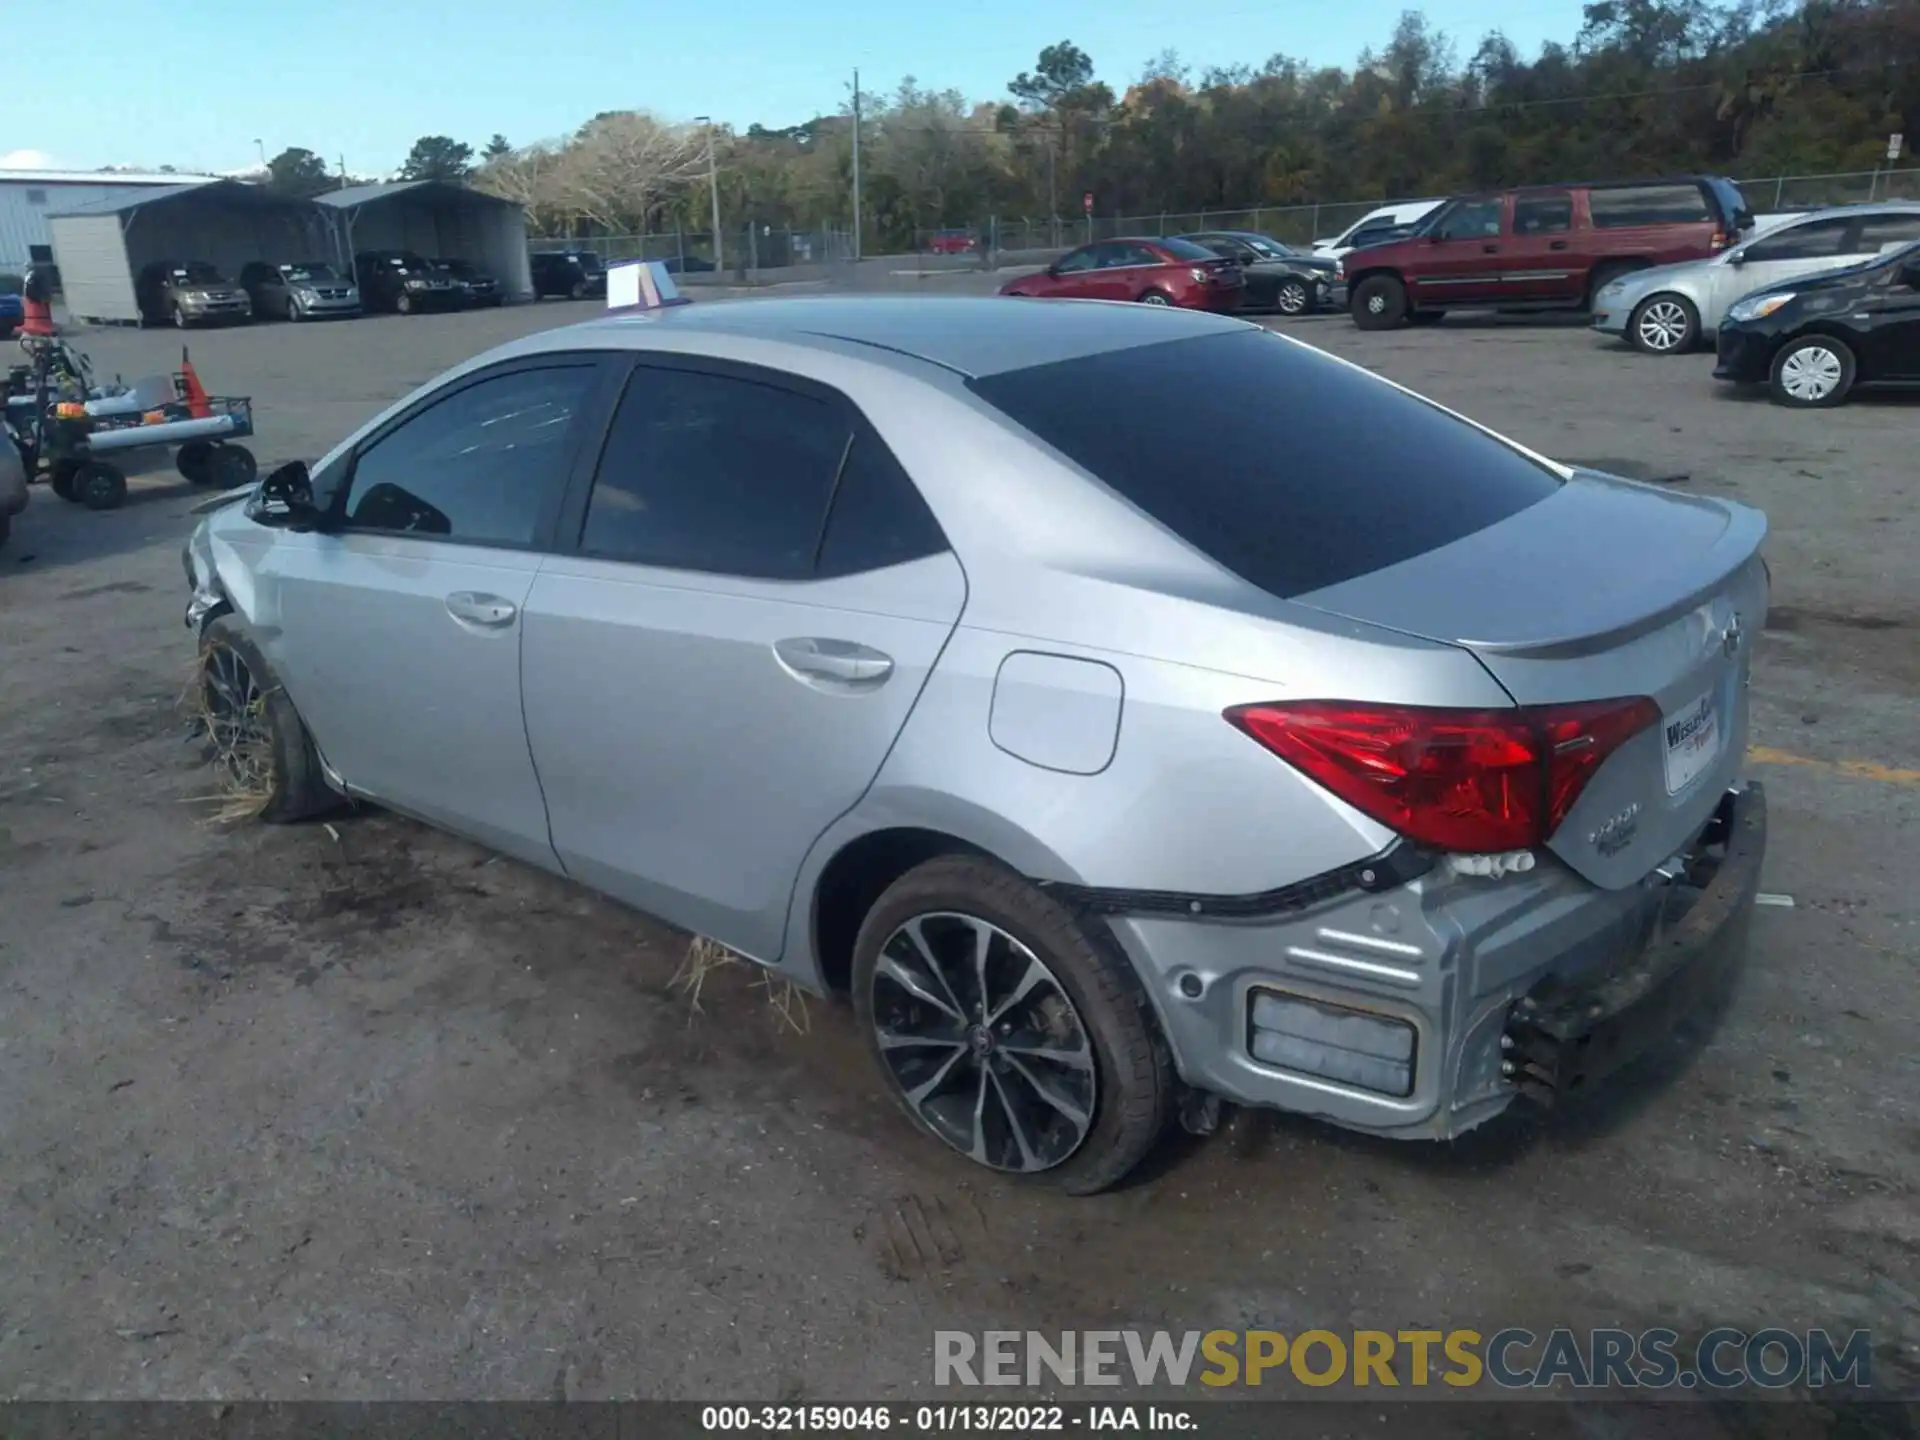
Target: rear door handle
1557	245
1491	249
842	662
470	607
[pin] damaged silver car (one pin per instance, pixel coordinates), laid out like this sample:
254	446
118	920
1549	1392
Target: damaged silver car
1116	760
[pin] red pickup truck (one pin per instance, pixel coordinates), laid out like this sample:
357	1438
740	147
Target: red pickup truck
1544	247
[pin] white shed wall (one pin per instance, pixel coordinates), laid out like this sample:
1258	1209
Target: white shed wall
94	275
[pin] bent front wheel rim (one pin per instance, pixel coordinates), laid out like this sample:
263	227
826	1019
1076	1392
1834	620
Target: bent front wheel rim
983	1042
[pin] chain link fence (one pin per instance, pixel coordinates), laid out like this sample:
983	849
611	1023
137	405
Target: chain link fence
751	250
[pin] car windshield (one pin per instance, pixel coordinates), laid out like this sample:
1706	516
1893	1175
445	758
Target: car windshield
1261	245
298	273
1250	474
1186	250
410	262
199	272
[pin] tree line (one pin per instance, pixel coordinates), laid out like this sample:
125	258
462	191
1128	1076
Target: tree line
1739	87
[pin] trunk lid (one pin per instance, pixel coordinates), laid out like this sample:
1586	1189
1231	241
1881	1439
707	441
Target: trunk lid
1607	589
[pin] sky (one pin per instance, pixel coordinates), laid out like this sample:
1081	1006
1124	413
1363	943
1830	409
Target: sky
362	79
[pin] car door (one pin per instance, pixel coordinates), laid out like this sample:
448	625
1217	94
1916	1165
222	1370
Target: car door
1805	248
1075	275
397	631
757	597
1463	260
1891	347
1538	257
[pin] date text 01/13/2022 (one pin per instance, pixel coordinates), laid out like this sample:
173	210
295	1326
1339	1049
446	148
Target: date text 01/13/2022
943	1419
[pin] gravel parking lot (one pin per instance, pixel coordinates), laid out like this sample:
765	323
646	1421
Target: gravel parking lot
358	1110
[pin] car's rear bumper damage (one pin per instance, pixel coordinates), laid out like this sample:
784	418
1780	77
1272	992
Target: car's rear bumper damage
1424	1009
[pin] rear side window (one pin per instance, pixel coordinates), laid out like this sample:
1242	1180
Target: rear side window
1814	240
1876	231
878	518
1184	250
1291	470
1628	205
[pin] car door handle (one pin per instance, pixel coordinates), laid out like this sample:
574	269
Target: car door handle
470	607
841	662
1491	249
1557	245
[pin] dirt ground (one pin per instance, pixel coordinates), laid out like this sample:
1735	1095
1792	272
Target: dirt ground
361	1111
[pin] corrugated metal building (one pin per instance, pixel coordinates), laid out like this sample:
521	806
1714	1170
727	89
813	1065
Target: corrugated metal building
102	248
442	221
29	197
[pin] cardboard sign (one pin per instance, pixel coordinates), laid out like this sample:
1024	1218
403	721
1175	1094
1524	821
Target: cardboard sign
642	285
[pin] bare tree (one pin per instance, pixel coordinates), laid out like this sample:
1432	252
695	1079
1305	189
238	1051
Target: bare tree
622	163
532	177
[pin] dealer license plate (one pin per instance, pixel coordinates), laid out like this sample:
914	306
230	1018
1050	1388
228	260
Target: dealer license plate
1693	740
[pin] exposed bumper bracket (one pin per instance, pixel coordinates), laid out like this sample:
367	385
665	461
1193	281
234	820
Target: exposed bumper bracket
1392	867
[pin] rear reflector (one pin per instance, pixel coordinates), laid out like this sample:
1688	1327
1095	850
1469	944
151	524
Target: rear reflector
1470	781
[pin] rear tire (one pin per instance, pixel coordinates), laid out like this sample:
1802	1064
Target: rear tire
1664	324
1088	1004
1380	303
295	787
1814	372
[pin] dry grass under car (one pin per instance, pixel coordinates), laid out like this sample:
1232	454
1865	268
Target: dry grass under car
240	755
705	956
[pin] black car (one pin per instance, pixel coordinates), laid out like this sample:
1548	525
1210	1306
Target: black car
1278	276
482	288
403	281
1812	340
576	274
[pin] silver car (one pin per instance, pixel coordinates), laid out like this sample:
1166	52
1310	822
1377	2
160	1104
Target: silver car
13	482
1670	309
1052	679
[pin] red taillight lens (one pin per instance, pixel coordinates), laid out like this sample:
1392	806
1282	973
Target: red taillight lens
1720	240
1464	780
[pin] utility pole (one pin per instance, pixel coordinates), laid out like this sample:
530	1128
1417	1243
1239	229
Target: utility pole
856	164
713	188
1053	201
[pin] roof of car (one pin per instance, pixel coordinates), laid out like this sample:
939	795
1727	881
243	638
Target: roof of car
969	335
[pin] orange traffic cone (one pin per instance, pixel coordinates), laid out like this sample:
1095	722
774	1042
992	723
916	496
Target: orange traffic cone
198	406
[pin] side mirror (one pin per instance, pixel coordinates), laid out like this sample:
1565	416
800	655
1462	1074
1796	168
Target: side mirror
285	500
1738	257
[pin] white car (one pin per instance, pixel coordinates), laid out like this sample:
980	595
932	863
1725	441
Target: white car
1671	309
1376	225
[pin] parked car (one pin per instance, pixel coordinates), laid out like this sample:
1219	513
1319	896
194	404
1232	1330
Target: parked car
1210	785
299	289
13	307
576	274
1547	247
405	282
13	482
952	242
481	289
1670	309
1278	276
1152	271
1376	227
188	292
1814	340
687	265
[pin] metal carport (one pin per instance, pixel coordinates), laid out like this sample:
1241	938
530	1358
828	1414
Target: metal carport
437	220
101	248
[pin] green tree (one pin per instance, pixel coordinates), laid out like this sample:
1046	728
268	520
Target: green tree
436	157
298	172
497	148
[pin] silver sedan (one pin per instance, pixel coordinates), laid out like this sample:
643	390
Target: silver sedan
1054	680
1671	309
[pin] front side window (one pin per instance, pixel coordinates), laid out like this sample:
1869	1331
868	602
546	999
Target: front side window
1470	220
715	473
485	465
1815	240
1077	260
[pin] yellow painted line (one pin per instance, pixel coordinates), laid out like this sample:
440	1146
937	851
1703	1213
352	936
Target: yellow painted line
1858	769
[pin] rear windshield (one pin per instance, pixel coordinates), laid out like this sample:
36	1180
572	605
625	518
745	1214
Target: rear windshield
1625	205
1292	470
1186	249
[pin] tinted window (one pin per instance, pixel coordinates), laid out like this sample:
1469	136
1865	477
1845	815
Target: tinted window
484	464
1542	214
1614	209
1079	259
1879	230
1813	241
715	473
1184	249
878	517
1470	220
1122	252
1250	472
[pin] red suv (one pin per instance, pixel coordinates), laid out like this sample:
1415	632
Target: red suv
1545	247
1154	272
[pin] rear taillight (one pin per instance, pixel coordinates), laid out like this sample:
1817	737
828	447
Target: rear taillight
1474	781
1720	240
